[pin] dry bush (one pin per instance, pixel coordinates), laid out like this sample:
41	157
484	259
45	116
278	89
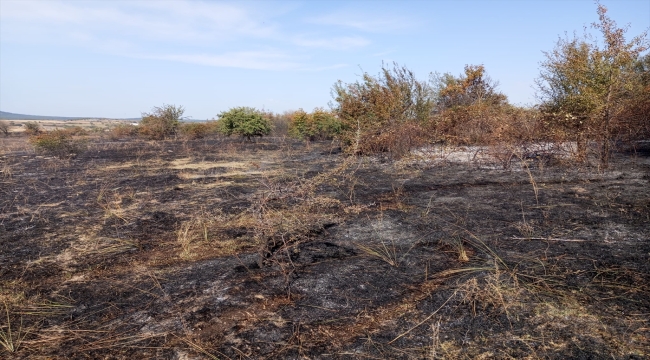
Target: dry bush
279	122
633	123
74	131
122	131
484	124
470	110
586	84
32	128
288	212
395	140
162	122
58	143
4	127
196	130
376	105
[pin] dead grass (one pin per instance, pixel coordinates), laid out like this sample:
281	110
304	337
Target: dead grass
157	254
11	340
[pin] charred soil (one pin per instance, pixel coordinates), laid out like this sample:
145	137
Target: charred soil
278	249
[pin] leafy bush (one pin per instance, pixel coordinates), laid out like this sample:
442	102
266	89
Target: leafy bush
371	110
244	121
4	127
318	125
32	128
59	143
162	122
300	125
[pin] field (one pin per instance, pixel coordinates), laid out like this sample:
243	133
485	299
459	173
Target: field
222	249
16	126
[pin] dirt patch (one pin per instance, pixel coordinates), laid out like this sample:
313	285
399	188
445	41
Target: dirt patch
218	248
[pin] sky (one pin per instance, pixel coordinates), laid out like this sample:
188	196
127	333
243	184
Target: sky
118	59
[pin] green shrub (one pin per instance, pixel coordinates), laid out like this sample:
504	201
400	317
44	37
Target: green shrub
162	122
244	121
319	125
300	125
59	143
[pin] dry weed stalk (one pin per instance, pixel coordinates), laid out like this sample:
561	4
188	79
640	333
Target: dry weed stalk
435	340
387	253
195	229
6	170
288	210
11	340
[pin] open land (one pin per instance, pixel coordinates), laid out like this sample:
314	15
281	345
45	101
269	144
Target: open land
16	126
217	248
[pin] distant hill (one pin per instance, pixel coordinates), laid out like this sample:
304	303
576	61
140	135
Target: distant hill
11	116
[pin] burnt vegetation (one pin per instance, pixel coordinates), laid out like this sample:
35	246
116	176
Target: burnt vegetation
413	219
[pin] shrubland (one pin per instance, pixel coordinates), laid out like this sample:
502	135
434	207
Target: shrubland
284	249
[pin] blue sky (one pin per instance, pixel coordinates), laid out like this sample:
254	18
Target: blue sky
121	58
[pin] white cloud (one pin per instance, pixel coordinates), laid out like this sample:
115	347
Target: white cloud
149	20
207	33
335	43
367	23
259	60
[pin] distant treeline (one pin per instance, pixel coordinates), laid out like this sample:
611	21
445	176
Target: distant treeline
11	116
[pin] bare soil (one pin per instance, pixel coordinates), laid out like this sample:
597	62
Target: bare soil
279	249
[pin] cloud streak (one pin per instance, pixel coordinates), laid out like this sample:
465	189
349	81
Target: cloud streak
150	20
334	43
257	60
205	33
366	23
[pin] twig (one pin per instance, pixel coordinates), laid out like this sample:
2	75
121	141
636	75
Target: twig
423	321
548	239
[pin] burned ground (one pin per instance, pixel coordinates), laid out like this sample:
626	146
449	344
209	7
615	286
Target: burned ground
277	249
